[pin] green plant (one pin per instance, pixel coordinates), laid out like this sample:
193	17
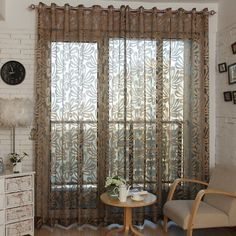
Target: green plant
15	157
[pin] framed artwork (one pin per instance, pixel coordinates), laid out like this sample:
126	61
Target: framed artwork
234	96
228	96
232	73
233	46
222	67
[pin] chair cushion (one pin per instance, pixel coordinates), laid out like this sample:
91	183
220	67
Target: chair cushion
207	216
223	178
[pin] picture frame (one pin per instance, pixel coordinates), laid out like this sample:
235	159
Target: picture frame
234	96
233	46
228	96
232	73
222	67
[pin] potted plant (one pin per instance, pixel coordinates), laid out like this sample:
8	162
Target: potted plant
16	159
112	184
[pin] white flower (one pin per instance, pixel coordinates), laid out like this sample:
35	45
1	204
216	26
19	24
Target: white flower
114	180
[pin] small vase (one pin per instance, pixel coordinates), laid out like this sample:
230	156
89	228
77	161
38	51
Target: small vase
112	191
17	168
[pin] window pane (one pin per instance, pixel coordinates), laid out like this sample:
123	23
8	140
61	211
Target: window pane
173	76
74	81
73	114
132	65
133	106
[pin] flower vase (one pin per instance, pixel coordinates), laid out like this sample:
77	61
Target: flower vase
17	167
112	191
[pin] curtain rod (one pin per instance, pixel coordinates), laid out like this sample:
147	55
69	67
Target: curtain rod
211	12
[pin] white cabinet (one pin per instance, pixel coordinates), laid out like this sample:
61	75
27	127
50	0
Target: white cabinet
17	204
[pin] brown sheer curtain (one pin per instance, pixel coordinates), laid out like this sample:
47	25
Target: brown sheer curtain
118	91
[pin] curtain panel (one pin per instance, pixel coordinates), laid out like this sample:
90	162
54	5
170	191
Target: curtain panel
118	91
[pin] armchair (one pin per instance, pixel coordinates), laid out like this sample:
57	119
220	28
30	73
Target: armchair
214	206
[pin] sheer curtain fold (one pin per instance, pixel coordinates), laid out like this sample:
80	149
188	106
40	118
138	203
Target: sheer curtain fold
118	91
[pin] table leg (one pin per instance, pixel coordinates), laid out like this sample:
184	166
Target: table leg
127	225
135	231
128	222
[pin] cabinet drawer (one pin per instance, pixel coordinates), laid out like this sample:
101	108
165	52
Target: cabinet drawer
19	183
19	213
2	218
19	199
20	228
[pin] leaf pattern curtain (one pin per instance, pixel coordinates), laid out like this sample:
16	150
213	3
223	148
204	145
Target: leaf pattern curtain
118	91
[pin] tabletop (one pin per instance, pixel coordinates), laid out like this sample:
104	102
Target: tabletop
149	199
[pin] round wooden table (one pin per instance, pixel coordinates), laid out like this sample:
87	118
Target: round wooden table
149	199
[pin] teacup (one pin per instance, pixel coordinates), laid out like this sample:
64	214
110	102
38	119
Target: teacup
136	197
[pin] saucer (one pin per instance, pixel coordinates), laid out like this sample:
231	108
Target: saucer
137	199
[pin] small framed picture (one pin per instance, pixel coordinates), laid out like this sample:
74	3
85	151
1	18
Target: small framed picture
234	96
222	67
233	46
232	73
227	96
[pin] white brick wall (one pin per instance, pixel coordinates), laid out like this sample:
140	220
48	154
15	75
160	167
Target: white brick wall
225	111
18	45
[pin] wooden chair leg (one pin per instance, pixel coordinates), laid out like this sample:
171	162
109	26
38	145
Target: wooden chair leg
165	224
189	232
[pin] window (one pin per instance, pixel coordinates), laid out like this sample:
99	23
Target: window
134	81
73	114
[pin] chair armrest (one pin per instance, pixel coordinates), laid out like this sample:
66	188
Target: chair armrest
219	192
177	181
198	199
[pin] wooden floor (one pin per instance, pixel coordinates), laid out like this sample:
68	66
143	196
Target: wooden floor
149	229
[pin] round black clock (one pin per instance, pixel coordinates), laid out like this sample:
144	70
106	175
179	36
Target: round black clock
13	72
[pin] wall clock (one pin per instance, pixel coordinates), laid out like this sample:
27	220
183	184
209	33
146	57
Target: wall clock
13	72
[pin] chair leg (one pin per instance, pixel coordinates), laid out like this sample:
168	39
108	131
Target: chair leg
189	232
165	224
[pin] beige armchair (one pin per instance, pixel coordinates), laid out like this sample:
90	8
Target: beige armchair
214	206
